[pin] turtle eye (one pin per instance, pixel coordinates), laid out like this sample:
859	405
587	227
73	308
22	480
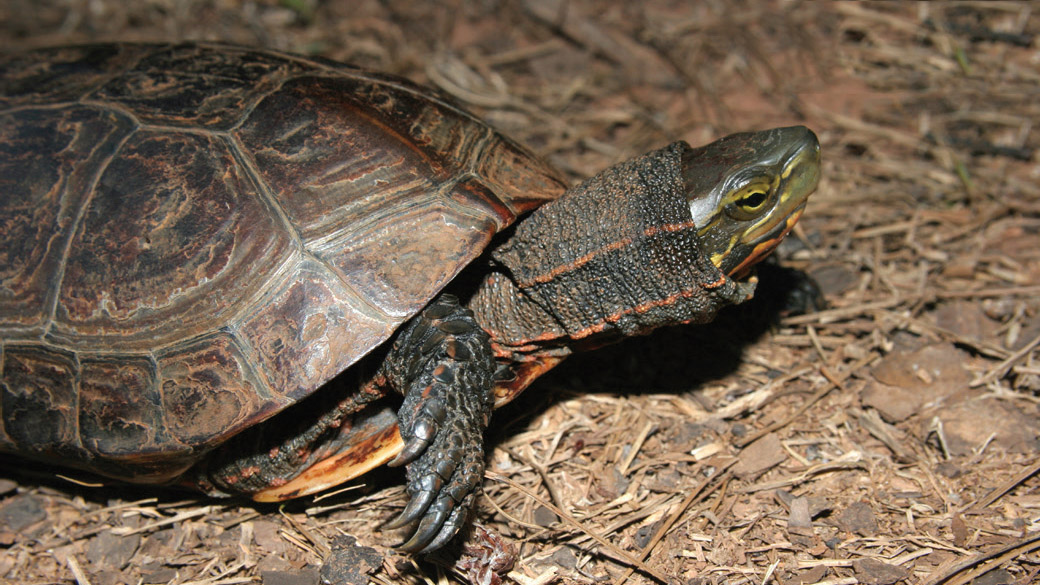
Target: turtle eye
750	202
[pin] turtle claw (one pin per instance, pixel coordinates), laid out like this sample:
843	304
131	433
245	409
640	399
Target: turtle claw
422	432
416	507
441	485
447	402
411	451
430	527
439	526
441	519
450	528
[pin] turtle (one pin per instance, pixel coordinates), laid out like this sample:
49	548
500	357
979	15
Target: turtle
263	274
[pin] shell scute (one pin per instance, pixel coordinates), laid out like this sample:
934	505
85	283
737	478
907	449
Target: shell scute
330	158
63	74
173	240
38	401
405	211
120	412
401	263
210	390
308	330
49	161
195	86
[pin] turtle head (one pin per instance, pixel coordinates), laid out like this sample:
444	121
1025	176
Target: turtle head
746	191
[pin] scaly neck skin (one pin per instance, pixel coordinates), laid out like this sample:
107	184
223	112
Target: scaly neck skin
615	256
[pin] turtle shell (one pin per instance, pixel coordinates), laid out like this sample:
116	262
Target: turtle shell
194	237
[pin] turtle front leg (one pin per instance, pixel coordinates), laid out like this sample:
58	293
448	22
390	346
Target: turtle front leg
443	364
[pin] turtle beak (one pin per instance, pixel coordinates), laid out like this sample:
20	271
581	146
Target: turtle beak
767	244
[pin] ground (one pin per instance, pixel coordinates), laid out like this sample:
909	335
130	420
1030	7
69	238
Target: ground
889	438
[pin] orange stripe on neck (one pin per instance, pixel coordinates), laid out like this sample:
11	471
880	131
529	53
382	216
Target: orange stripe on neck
617	245
527	345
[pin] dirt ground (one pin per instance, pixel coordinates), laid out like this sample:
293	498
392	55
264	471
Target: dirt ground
890	437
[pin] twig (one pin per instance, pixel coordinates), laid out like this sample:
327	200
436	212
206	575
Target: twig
81	577
511	517
540	470
636	446
1003	366
989	292
319	542
697	493
1007	487
823	391
127	531
627	557
960	574
80	482
831	315
850	460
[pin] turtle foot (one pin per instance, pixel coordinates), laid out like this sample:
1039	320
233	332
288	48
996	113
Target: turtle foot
444	364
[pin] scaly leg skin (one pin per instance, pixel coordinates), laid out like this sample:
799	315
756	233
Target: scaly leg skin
443	364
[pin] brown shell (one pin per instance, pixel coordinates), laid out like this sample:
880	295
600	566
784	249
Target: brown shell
193	237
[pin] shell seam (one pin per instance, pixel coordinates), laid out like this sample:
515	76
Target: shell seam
77	223
264	192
